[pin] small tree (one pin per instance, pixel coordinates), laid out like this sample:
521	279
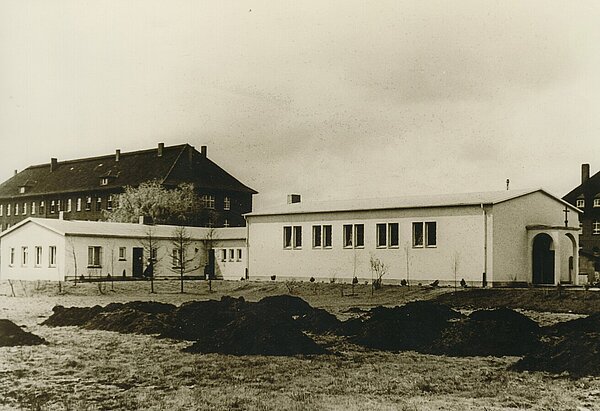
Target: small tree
183	262
378	270
151	248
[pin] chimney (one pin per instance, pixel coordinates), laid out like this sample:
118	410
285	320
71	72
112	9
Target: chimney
203	151
53	164
293	198
161	147
585	173
16	172
117	155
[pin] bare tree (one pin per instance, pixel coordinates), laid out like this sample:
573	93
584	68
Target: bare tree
183	259
378	269
74	255
151	248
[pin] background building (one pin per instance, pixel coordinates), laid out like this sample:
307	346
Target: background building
84	188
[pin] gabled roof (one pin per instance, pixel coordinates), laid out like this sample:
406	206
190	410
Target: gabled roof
125	230
590	186
444	200
180	163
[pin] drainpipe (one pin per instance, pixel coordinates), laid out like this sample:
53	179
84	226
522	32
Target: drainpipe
485	246
247	273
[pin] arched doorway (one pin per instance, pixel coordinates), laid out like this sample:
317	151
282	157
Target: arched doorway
543	259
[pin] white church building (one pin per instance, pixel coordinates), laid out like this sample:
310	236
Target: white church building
491	238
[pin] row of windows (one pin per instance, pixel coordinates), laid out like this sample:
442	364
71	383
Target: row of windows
581	203
208	201
55	206
387	235
234	254
38	255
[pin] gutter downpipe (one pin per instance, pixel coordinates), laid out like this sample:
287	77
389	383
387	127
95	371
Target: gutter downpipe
485	247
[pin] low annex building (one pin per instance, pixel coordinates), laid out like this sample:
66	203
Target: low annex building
57	250
491	238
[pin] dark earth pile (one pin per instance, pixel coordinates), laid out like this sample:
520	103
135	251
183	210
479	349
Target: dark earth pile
413	326
572	347
496	332
12	335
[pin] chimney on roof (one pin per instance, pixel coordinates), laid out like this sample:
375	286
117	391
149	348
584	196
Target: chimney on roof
203	151
585	173
16	172
161	147
293	198
53	164
117	155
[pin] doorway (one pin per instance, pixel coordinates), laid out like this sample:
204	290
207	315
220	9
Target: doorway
138	261
543	259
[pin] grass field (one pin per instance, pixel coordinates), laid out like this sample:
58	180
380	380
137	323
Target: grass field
101	370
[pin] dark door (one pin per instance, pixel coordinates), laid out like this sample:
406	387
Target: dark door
211	263
138	261
543	260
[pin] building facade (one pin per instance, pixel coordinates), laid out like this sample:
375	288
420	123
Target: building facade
497	238
586	197
84	189
59	250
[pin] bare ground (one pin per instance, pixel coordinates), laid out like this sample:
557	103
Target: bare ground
101	370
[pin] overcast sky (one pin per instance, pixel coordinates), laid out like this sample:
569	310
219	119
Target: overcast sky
329	99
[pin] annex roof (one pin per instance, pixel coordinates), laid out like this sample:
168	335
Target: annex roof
126	230
443	200
177	164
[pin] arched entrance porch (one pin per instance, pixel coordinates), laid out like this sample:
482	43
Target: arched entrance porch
553	254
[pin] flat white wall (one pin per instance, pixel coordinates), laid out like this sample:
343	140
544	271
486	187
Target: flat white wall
460	240
32	236
511	259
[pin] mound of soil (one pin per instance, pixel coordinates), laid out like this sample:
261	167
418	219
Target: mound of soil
255	334
496	332
287	304
590	323
413	326
12	335
71	316
128	320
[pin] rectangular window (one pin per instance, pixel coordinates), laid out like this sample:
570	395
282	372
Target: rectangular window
317	236
8	209
24	209
208	201
394	237
109	202
24	255
176	256
78	204
58	203
359	235
17	209
42	205
239	254
381	235
11	260
223	255
226	203
297	236
596	202
88	203
104	181
231	254
52	207
430	234
122	253
52	256
327	236
347	235
99	204
596	227
69	205
94	256
417	234
38	256
1	209
22	190
287	237
33	208
580	203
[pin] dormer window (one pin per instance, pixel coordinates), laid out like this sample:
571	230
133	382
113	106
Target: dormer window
580	203
22	190
104	181
597	202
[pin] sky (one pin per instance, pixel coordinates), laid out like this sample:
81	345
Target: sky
331	99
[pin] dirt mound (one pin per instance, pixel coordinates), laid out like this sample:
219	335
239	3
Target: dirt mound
590	323
496	332
413	326
255	334
71	316
12	335
128	320
286	304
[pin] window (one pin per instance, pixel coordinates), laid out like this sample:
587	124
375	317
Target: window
11	260
69	205
223	254
208	201
42	207
24	208
596	227
239	254
359	235
596	202
226	203
226	223
122	253
58	205
38	256
327	236
94	256
580	203
292	236
22	190
99	204
88	203
109	202
425	234
394	237
17	209
381	235
24	255
78	204
52	256
104	181
52	207
177	257
231	254
33	208
153	254
317	236
1	209
348	235
8	209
